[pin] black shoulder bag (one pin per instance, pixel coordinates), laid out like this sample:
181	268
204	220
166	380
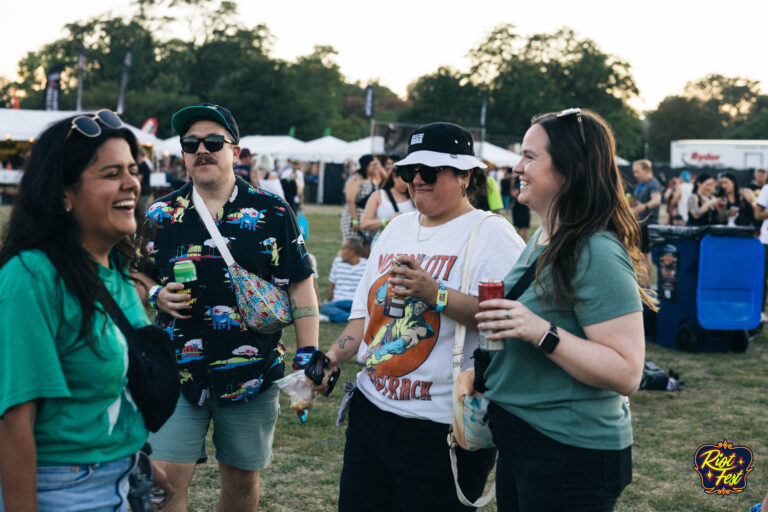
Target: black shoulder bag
481	358
153	375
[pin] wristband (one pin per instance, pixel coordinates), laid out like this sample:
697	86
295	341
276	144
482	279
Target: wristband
442	298
355	222
383	223
303	355
152	296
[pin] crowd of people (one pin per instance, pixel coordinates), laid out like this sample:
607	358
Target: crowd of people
419	233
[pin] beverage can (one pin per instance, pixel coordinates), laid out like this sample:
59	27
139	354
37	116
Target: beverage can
394	305
490	288
186	273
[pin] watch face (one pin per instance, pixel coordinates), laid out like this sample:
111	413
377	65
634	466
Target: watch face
549	342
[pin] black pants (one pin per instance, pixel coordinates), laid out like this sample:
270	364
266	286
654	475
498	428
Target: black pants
538	474
393	463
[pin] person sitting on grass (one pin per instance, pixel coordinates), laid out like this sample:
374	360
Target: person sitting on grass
346	271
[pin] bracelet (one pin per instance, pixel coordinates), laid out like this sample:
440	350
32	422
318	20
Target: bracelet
442	298
152	296
303	355
355	222
383	223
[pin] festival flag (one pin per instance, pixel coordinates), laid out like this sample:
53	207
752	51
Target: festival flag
482	114
124	80
52	89
327	131
369	101
292	131
80	66
15	99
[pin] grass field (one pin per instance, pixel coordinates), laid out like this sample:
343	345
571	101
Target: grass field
725	397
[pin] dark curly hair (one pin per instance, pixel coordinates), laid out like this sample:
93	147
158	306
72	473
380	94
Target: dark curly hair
39	221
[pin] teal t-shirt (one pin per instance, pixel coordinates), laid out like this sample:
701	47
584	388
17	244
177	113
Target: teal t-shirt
524	381
86	414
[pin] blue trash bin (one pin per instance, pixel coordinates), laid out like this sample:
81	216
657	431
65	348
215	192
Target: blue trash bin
709	286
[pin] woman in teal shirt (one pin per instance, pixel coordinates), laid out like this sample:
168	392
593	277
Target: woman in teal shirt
69	429
574	342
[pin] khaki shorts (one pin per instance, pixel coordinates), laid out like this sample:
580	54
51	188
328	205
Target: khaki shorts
242	432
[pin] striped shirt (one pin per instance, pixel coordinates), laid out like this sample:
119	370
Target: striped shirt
346	277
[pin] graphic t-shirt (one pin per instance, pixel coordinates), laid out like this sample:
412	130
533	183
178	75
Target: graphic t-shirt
408	360
87	415
214	349
525	382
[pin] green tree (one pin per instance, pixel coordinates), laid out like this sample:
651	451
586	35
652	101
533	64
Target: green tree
735	98
445	95
680	117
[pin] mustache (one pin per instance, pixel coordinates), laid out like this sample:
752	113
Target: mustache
204	160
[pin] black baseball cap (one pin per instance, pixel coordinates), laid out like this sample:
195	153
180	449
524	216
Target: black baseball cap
442	144
183	119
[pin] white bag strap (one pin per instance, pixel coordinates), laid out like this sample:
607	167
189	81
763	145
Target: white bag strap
221	245
461	330
482	500
458	360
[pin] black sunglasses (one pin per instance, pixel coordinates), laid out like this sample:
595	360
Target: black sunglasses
429	174
88	126
575	112
212	143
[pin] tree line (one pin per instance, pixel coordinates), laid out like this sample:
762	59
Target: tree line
226	62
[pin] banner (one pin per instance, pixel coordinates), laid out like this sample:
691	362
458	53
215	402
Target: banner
482	114
52	89
124	80
80	66
369	101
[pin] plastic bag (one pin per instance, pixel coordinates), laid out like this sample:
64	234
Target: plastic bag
298	389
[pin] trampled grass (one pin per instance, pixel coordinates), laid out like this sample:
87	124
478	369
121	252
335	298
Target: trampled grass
725	397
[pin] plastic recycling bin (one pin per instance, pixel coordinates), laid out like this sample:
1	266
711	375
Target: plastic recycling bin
709	286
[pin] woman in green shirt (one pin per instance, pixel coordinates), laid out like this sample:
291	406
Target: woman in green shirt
573	341
69	429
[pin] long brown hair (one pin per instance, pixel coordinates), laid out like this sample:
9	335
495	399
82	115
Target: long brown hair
591	200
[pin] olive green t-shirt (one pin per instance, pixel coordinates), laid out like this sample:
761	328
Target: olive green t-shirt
524	381
85	413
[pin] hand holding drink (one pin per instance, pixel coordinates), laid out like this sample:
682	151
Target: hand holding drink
490	288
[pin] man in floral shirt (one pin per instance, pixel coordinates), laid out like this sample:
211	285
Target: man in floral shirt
226	370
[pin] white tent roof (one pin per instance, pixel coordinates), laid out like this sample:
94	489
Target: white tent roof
326	149
22	124
279	146
360	147
497	155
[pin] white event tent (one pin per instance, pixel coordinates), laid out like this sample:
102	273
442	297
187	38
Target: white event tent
23	124
496	155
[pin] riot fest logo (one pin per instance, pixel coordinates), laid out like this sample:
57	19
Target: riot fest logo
723	468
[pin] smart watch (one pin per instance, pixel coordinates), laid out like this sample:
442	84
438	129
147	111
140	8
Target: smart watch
549	340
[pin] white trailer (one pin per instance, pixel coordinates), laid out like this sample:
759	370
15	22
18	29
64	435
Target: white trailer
732	154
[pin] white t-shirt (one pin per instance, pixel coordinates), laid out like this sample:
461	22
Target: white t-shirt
272	186
408	360
686	189
386	210
762	200
345	278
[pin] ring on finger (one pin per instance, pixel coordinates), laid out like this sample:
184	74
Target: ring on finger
508	312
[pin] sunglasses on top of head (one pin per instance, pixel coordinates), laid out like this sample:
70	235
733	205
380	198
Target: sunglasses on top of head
575	112
212	143
429	174
88	126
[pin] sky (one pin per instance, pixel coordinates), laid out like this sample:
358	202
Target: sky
667	43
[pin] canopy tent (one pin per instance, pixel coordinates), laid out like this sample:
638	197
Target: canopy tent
279	146
496	155
621	161
326	149
22	124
